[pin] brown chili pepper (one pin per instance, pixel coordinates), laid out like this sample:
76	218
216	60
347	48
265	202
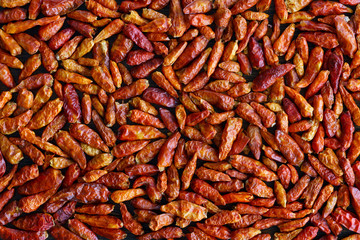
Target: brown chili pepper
324	172
191	51
14	233
13	14
268	77
72	147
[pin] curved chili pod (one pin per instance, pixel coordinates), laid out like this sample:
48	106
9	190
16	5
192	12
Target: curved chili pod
268	77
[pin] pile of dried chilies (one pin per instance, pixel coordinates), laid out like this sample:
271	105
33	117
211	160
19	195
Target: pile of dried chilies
167	119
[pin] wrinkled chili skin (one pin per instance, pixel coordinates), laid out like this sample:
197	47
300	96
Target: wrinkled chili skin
268	77
134	33
335	63
71	104
256	54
